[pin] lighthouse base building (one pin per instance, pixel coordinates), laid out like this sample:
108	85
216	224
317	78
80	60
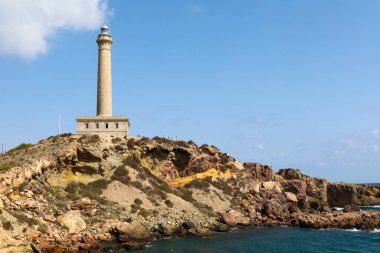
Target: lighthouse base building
104	123
113	125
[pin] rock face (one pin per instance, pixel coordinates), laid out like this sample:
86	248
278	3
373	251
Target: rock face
73	221
70	193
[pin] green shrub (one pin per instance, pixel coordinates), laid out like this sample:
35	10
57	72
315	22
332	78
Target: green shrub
131	144
30	221
198	184
137	185
186	194
98	185
141	176
223	185
121	174
157	192
116	140
138	202
21	186
169	203
89	139
66	135
20	147
132	162
145	212
92	190
7	166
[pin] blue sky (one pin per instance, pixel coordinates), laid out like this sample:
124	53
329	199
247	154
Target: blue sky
286	83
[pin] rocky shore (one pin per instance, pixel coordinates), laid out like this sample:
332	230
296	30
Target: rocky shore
89	193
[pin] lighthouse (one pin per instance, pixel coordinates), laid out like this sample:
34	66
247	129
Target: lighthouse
104	103
104	122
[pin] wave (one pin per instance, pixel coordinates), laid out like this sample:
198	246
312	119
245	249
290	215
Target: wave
375	231
375	206
353	230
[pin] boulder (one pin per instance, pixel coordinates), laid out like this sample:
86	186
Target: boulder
342	194
81	204
233	218
291	197
290	174
272	185
251	187
297	187
28	203
5	240
73	221
260	171
89	155
133	231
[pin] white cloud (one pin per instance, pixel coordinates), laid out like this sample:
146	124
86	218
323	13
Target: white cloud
375	148
338	152
254	136
349	143
376	133
322	164
259	146
26	25
195	8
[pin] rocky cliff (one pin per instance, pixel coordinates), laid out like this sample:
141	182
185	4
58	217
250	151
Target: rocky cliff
89	192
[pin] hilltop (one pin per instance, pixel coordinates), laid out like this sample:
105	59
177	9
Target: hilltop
73	192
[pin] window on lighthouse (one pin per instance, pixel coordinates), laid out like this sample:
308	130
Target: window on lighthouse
106	125
87	126
117	125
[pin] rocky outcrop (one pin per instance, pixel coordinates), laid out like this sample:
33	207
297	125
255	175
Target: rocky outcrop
359	220
341	195
70	193
73	221
260	172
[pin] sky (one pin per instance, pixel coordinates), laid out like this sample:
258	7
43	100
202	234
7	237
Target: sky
292	84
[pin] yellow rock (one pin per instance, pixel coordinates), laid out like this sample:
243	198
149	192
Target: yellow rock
213	173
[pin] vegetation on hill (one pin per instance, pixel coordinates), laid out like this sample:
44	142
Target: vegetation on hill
20	147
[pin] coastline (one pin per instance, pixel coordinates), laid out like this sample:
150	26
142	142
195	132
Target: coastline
101	193
259	239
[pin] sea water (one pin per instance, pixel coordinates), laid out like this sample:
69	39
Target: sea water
370	208
280	239
275	240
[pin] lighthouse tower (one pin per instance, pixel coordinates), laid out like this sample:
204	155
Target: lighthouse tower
104	122
104	106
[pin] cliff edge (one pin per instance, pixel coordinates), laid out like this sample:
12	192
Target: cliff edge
72	192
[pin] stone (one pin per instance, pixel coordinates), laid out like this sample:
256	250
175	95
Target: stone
28	203
233	218
133	231
5	240
104	237
31	234
81	204
260	171
73	221
272	185
50	218
290	174
291	197
91	241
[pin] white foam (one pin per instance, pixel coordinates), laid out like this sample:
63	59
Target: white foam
339	208
353	230
375	231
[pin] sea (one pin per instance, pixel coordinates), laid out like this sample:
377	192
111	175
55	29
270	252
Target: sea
274	240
